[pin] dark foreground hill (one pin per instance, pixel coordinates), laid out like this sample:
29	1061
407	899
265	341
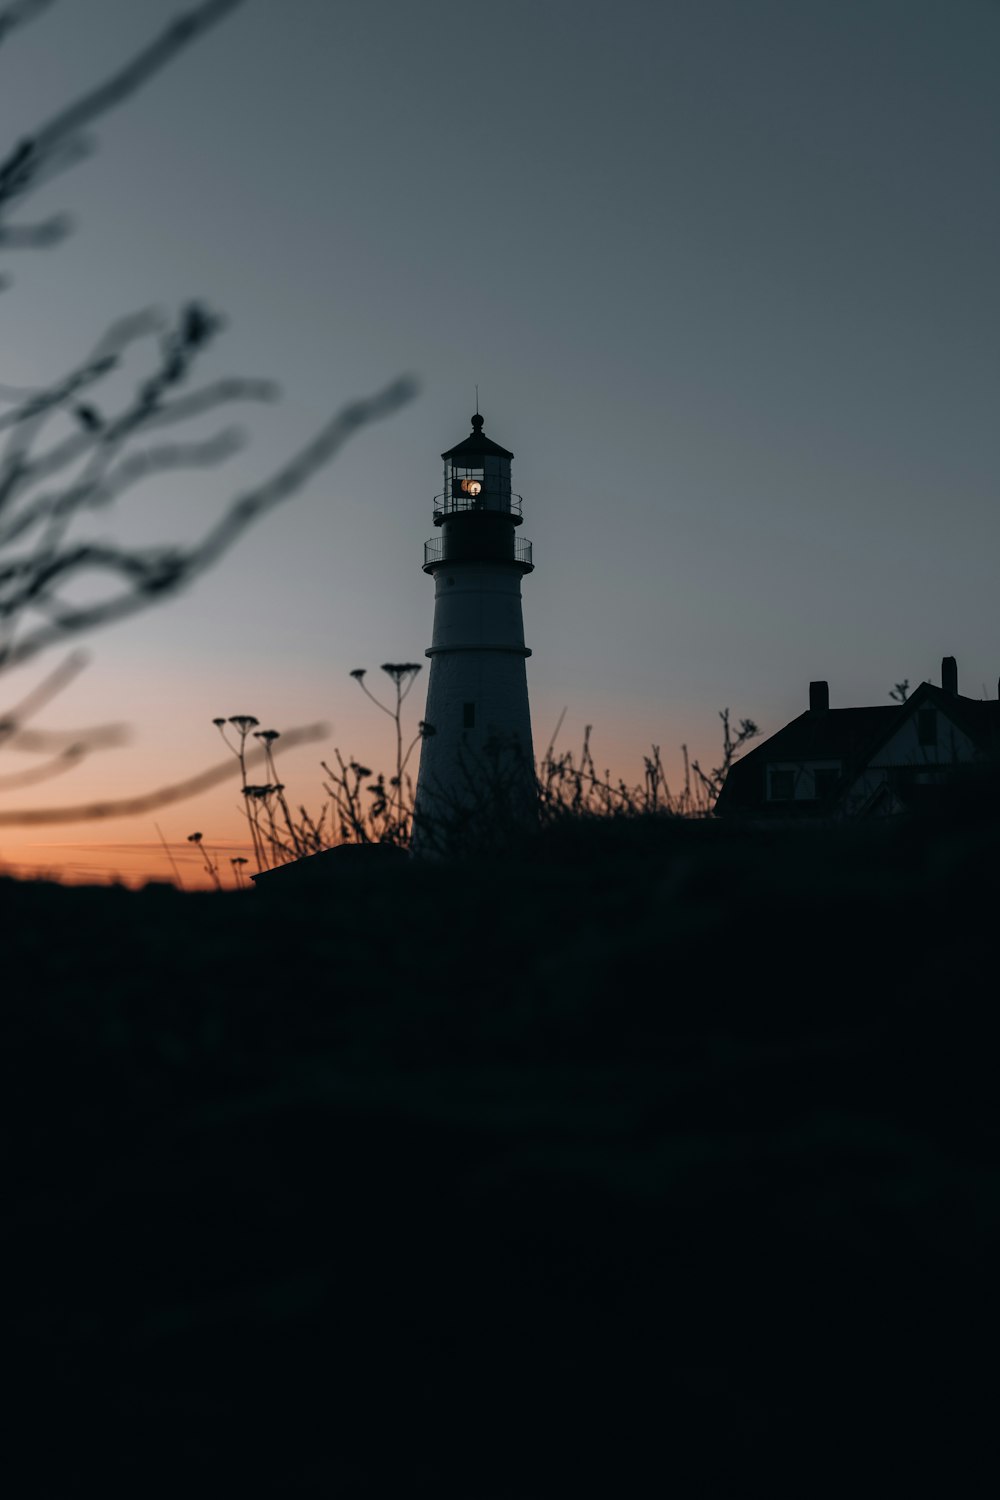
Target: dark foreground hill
664	1162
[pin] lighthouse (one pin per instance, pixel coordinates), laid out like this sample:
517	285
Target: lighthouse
476	776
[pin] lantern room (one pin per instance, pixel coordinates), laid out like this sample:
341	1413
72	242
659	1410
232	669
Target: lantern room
477	479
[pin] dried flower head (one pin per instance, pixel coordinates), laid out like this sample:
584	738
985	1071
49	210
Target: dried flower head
267	735
359	672
194	838
400	670
244	722
259	793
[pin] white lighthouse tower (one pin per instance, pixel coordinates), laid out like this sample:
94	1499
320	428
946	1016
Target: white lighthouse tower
476	759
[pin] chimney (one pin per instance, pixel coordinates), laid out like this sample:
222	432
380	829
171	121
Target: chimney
949	675
819	697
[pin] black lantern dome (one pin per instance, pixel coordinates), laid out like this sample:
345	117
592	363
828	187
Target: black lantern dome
477	478
477	510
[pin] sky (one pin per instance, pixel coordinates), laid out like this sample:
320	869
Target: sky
725	274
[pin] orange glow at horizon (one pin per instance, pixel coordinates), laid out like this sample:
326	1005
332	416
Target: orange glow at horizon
128	851
121	863
169	699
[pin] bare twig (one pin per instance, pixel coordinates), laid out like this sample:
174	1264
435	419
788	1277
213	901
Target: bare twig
66	760
60	142
146	802
71	436
146	576
170	857
18	13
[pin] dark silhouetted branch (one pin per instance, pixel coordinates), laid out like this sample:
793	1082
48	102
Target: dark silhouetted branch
90	812
66	760
53	741
76	444
33	581
42	693
19	13
60	143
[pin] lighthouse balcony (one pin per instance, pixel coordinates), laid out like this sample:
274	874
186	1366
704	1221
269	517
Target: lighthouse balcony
487	500
459	549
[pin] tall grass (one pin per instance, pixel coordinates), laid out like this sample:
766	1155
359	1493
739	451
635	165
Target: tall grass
483	813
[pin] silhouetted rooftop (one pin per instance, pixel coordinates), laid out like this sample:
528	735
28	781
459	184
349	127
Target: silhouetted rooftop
979	717
477	444
840	732
852	736
343	860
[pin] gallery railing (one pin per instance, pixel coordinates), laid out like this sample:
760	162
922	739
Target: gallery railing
453	505
449	549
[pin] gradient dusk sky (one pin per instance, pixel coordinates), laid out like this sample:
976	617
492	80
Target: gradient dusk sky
725	272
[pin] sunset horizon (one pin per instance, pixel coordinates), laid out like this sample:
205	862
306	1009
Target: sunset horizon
499	748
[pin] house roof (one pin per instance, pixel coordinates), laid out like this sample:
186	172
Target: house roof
979	717
477	445
834	734
842	734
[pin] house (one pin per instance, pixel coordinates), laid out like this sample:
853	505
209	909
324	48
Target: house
836	763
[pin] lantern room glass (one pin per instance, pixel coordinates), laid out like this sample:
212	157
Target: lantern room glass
477	486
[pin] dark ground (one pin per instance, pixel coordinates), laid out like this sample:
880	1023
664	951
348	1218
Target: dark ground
664	1162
